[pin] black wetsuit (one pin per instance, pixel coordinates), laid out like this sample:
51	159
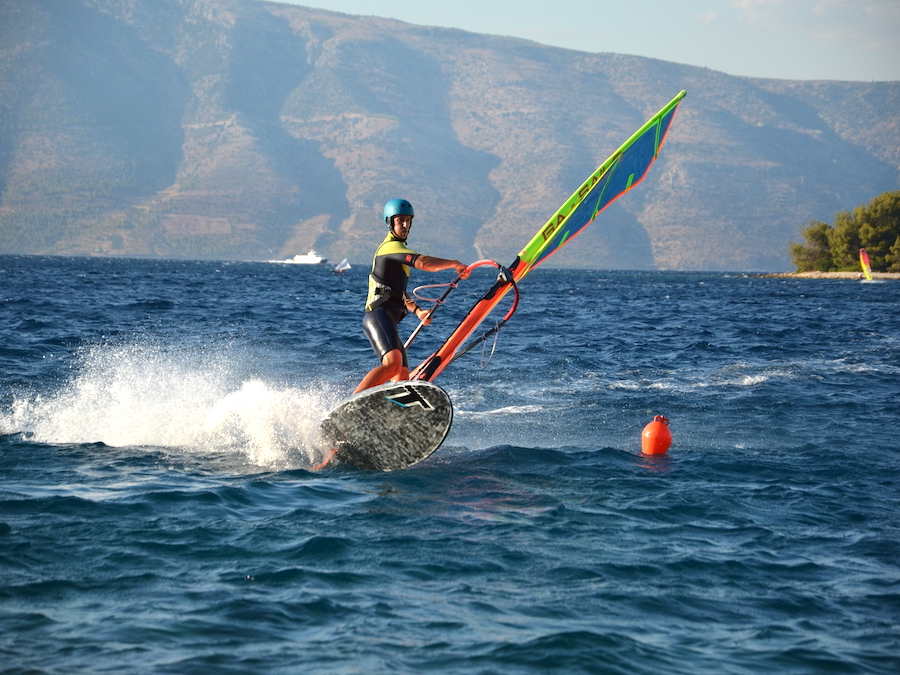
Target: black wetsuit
387	287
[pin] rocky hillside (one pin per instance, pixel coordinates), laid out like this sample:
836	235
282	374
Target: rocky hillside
256	130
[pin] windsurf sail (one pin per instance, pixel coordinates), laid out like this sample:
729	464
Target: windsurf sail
624	169
341	267
864	261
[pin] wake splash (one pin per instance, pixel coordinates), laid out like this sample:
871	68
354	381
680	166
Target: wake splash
143	395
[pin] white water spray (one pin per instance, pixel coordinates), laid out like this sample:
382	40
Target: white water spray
140	395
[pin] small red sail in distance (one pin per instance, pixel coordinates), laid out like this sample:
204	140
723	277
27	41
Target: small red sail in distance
864	261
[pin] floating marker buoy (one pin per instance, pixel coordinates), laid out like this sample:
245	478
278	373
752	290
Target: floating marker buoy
656	438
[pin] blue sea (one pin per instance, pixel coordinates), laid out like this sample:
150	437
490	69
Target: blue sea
158	514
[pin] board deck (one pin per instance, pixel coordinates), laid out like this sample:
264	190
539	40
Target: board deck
388	427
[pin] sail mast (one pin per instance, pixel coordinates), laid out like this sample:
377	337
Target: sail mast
624	169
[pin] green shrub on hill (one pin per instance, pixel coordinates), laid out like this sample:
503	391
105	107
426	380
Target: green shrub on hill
874	226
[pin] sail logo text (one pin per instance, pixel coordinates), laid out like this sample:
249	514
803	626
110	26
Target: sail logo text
550	228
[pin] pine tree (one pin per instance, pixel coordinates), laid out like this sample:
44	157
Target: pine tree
874	226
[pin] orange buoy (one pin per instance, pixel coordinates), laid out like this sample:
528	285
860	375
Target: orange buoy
656	438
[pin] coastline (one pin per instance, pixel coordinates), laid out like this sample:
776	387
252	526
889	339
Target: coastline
829	275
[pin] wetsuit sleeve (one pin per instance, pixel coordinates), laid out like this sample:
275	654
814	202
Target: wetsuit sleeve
397	251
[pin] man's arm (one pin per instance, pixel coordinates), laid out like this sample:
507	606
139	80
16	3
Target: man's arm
431	264
422	314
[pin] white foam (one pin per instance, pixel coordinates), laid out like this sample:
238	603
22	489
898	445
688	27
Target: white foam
508	410
195	400
751	380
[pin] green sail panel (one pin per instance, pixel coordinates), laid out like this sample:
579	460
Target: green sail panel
620	173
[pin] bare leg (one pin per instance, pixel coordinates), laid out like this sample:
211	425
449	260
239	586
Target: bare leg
403	375
391	368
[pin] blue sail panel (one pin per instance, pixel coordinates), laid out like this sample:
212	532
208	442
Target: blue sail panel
628	169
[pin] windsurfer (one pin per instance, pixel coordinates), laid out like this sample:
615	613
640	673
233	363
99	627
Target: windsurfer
388	302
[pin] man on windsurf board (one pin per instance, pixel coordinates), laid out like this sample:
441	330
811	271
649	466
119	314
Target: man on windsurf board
388	302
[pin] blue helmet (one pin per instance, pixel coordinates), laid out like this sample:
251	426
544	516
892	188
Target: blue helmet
397	207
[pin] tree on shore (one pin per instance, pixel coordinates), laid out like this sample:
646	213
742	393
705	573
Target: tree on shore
874	226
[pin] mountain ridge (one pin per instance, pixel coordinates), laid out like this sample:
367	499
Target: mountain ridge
254	130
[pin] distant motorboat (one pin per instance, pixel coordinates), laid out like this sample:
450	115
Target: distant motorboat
311	258
341	267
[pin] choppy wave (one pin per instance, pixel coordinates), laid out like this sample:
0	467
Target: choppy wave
157	513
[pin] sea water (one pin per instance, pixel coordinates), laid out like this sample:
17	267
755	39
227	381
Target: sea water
158	514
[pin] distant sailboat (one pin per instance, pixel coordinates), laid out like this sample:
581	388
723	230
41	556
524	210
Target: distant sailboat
864	261
867	269
341	267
